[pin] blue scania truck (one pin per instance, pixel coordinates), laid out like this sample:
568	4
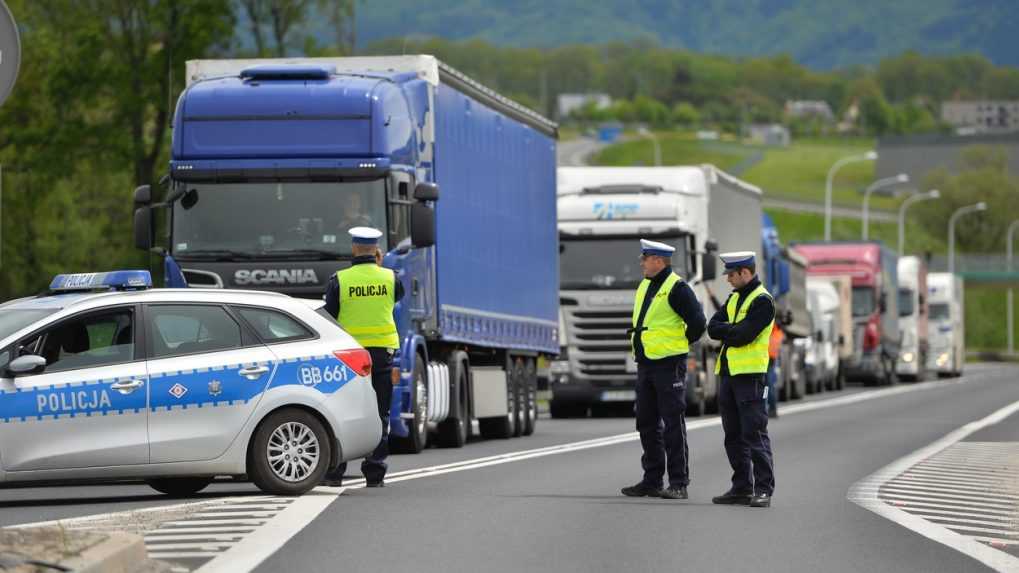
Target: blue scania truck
274	160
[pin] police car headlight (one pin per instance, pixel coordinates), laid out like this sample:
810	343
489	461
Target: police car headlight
908	357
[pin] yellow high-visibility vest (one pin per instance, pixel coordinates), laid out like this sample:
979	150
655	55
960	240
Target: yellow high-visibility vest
752	358
666	331
367	298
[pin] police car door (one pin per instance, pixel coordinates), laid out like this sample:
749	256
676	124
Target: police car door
207	375
88	407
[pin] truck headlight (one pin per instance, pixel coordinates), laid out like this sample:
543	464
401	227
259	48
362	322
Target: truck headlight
942	359
908	357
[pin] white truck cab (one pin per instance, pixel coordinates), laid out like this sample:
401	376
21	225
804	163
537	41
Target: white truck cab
946	302
913	322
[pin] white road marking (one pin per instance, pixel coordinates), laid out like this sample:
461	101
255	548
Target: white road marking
913	506
192	537
223	529
865	494
1003	516
936	494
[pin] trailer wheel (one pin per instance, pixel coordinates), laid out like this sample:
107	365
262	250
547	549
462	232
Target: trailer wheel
530	412
417	438
453	431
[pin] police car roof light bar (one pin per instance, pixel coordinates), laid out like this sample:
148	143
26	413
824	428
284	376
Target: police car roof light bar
114	280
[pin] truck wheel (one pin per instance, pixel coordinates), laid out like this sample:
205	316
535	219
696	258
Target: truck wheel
179	487
694	402
452	432
417	438
289	453
519	397
530	412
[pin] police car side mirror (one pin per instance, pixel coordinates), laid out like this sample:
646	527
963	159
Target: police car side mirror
422	225
426	191
27	364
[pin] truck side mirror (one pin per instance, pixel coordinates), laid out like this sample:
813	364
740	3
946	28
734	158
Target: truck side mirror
426	191
709	263
842	340
883	302
819	337
142	195
143	237
422	225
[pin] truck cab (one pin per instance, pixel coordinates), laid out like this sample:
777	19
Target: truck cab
874	272
913	313
947	324
603	213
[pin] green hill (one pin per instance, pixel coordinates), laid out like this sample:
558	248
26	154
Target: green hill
819	33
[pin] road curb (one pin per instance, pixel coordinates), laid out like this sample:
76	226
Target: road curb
80	551
119	553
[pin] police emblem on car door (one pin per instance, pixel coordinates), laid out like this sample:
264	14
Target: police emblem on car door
208	373
87	407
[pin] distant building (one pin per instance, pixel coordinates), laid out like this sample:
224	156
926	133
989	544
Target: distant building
972	117
807	109
769	134
918	155
569	103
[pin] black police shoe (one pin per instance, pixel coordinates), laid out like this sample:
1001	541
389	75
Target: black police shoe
642	490
379	483
773	412
761	500
674	493
732	498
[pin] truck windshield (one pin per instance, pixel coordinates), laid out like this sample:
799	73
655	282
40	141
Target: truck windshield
939	312
275	219
905	302
609	262
863	301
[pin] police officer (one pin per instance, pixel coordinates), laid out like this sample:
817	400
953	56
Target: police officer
743	325
667	317
362	298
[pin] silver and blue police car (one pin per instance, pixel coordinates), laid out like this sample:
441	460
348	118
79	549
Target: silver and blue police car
103	377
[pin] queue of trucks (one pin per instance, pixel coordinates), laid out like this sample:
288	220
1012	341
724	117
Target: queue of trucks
508	265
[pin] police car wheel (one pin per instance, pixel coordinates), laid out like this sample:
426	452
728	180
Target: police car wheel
290	453
179	487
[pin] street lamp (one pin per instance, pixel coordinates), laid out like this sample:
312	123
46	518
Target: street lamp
868	156
932	194
981	206
1009	240
645	132
879	184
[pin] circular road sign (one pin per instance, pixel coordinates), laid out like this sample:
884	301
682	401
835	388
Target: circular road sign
10	52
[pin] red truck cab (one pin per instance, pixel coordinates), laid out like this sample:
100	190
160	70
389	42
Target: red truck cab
874	272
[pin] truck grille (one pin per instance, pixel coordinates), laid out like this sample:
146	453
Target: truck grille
600	345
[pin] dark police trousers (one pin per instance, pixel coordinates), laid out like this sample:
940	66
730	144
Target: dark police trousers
744	411
374	465
661	420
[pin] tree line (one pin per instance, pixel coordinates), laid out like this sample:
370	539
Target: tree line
90	115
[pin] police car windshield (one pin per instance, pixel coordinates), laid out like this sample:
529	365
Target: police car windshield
284	220
14	319
591	262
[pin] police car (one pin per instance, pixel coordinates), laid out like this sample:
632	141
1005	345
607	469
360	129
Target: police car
103	377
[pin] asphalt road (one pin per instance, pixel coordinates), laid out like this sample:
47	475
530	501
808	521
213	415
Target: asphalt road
563	512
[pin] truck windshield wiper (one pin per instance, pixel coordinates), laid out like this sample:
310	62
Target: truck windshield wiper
213	255
303	254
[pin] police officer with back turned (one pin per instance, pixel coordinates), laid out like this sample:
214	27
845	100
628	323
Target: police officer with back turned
362	298
666	318
743	325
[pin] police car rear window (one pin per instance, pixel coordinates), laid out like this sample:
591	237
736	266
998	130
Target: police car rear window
273	326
